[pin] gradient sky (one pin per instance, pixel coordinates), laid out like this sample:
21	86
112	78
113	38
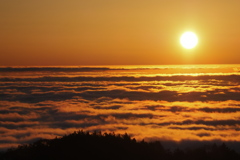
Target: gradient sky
101	32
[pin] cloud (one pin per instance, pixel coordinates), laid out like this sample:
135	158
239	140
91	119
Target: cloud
203	134
21	124
228	122
194	128
178	109
166	88
220	110
174	107
52	69
15	117
154	107
110	107
220	79
163	95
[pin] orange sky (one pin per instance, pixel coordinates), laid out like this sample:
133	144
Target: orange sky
100	32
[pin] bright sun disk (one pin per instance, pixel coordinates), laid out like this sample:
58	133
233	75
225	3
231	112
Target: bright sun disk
189	40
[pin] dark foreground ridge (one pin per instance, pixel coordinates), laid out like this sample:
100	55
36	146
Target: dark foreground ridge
109	146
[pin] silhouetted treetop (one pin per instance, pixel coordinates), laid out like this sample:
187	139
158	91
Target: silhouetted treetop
110	146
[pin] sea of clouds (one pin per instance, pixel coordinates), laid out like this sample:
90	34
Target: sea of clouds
172	104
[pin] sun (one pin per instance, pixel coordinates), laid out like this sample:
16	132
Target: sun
189	40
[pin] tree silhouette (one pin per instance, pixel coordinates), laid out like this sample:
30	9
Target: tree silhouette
109	146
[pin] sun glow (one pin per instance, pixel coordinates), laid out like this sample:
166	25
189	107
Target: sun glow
189	40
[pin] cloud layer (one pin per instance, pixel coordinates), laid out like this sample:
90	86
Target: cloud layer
50	102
